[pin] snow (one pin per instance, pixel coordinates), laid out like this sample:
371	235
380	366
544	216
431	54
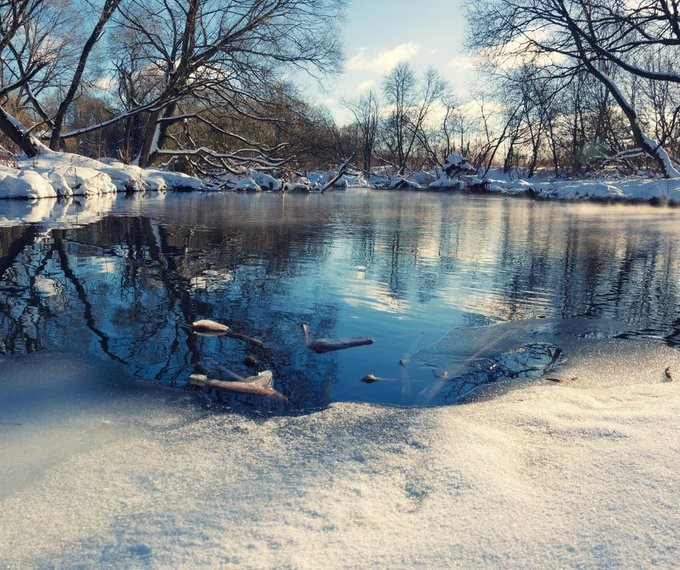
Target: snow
627	189
447	184
581	473
354	181
265	181
55	174
457	163
401	183
126	177
294	187
247	185
320	179
59	175
24	184
422	178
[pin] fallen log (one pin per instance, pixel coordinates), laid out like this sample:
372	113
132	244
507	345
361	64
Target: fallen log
259	385
328	345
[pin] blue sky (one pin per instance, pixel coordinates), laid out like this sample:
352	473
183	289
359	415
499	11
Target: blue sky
381	33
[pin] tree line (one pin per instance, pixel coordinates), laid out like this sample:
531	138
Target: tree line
587	81
197	85
158	81
572	87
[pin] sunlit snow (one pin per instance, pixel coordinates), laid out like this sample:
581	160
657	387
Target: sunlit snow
577	473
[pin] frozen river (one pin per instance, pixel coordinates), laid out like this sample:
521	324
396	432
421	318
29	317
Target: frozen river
110	459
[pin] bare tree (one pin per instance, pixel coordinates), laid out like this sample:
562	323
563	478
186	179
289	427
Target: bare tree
180	67
567	36
365	110
410	103
28	51
224	50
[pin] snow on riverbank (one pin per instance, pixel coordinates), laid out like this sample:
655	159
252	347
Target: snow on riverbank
620	190
634	189
62	175
580	473
57	175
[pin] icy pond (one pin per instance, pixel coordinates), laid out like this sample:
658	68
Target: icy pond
110	458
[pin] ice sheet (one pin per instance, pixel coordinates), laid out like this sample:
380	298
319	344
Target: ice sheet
582	472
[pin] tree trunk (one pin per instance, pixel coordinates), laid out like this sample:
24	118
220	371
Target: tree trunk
155	134
150	141
649	146
18	134
108	9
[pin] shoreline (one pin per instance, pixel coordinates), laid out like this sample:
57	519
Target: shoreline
64	175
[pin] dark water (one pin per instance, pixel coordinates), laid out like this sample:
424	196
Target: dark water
403	268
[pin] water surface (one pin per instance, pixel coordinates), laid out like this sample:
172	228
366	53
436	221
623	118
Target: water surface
116	283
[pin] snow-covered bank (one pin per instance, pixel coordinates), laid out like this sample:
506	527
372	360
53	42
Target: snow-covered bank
63	175
57	175
458	175
580	473
635	190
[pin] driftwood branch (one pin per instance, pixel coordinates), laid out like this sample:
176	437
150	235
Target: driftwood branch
206	327
328	345
260	385
339	175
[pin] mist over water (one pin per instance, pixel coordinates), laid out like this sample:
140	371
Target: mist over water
403	268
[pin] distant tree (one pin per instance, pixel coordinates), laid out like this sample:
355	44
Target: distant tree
568	36
365	110
410	103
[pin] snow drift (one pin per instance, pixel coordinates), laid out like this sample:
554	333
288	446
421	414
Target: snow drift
58	175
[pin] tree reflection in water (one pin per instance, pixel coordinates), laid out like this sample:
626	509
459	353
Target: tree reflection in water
384	265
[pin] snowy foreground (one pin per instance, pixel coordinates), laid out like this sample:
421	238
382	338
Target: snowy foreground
64	175
580	473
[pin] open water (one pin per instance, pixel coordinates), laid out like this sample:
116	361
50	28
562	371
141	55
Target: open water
439	281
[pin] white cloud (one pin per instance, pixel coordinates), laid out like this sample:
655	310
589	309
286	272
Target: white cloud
462	63
386	60
366	85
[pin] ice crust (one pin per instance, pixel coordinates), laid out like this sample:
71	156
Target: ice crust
580	473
